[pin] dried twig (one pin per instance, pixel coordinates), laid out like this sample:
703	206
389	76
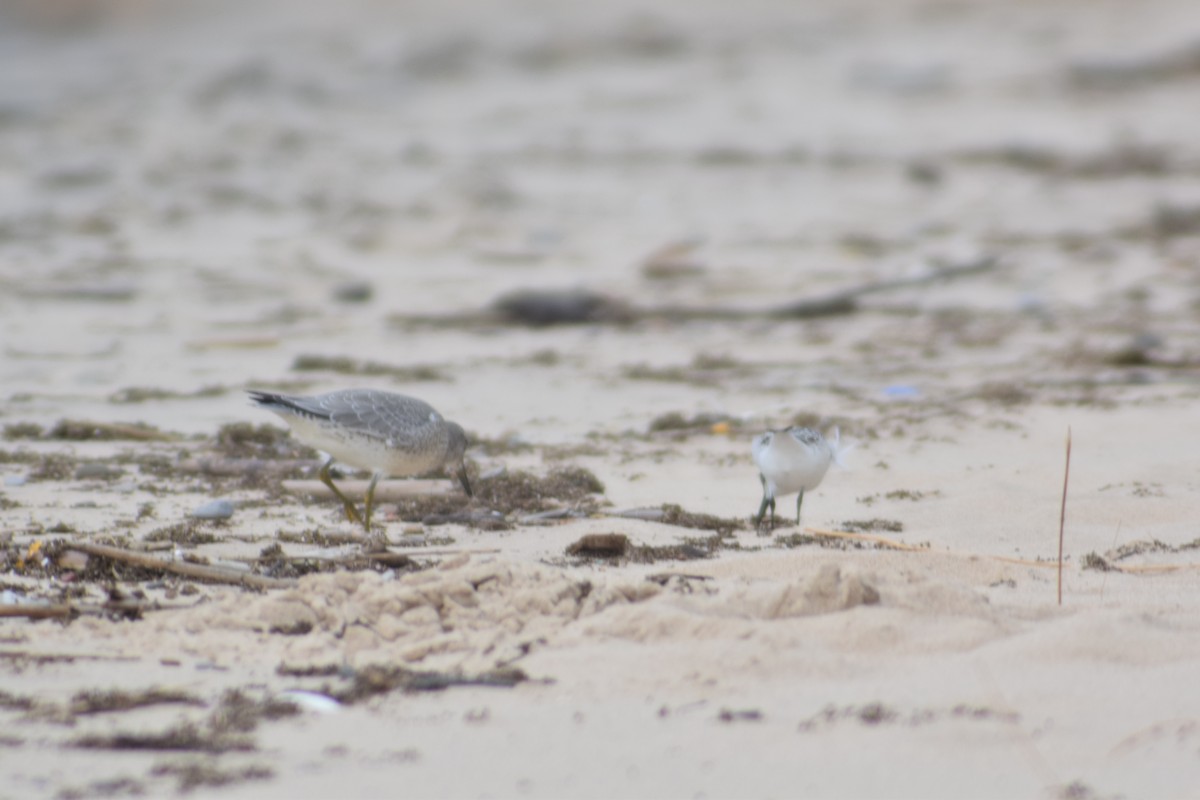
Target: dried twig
199	571
540	308
1062	516
67	610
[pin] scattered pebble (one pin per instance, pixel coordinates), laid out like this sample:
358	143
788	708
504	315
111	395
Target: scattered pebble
353	292
217	509
15	480
313	701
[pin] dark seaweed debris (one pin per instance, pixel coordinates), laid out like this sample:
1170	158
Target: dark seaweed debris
243	440
675	515
374	680
522	491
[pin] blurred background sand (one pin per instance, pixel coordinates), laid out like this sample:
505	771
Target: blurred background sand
198	198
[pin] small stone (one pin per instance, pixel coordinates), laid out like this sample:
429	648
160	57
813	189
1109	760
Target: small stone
217	509
353	292
15	480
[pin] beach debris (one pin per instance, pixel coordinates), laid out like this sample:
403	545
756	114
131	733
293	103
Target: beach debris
544	308
599	545
541	308
353	292
188	569
740	715
92	471
214	510
76	430
375	680
344	365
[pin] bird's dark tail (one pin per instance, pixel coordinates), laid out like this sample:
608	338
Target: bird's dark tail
283	404
268	399
280	402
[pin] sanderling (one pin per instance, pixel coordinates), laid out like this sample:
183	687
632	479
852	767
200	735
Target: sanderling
792	460
389	434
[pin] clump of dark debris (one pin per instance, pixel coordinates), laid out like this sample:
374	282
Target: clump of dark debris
190	532
244	440
522	491
541	308
223	731
794	540
275	563
676	424
193	775
143	394
350	366
877	524
675	515
53	467
874	714
101	701
374	680
508	493
599	545
22	430
690	549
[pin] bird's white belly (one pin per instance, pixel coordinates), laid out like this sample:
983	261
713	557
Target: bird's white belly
789	468
796	479
362	451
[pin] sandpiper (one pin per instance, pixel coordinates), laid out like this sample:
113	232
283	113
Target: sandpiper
387	433
792	460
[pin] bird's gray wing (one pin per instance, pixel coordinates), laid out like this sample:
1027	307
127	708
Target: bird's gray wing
393	418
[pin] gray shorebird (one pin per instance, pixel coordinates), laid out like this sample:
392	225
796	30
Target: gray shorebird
387	433
793	460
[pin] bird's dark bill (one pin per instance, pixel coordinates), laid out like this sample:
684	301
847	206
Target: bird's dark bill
466	484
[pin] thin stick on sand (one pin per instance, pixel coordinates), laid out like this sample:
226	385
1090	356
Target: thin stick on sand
200	571
67	610
1062	516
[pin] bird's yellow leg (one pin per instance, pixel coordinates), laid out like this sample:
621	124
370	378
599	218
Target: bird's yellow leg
351	511
370	501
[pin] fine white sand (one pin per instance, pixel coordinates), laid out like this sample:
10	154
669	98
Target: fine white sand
186	193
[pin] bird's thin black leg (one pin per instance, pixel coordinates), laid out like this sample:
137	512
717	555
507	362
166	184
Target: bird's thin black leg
762	508
799	500
762	511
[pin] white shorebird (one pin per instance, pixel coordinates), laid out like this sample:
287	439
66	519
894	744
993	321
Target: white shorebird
389	434
793	460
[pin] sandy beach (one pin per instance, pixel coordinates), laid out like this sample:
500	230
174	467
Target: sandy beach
614	244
